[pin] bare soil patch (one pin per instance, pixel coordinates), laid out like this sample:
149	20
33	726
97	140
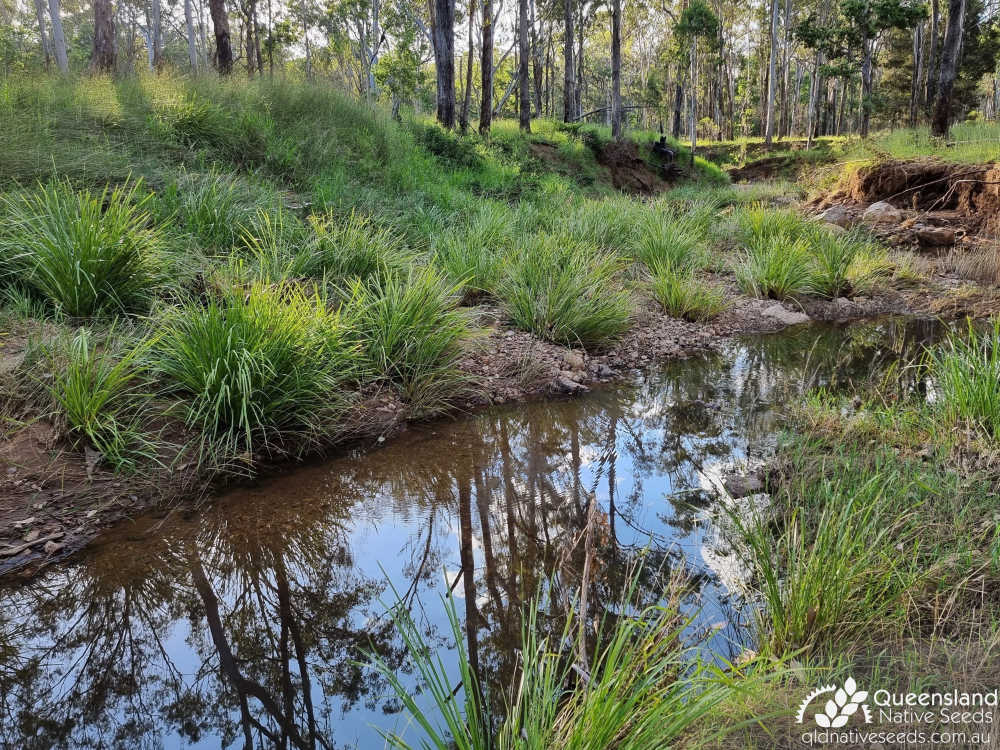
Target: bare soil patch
629	171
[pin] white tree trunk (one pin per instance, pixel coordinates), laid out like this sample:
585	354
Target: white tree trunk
58	37
42	36
772	73
192	44
156	31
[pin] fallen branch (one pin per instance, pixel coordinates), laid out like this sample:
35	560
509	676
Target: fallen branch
11	551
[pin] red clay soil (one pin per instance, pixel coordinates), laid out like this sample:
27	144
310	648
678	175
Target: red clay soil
629	171
973	190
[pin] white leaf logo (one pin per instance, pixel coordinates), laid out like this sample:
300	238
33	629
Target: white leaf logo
840	708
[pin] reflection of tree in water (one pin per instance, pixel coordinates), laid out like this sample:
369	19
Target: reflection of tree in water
244	624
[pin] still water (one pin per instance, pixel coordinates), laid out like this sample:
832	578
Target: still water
251	617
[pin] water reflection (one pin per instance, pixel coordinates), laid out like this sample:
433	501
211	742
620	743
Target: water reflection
243	624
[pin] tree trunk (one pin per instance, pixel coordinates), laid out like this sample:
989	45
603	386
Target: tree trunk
444	60
102	58
536	62
772	74
192	45
470	56
309	69
486	63
785	69
675	128
866	87
932	62
156	31
251	32
813	100
223	45
616	69
523	61
951	55
569	69
256	39
43	38
918	63
693	105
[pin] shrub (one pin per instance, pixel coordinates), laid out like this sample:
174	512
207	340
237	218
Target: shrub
966	371
259	369
566	291
775	267
413	331
683	296
94	391
832	260
87	253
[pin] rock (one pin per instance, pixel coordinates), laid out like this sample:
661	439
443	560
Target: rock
52	547
568	385
573	361
603	371
787	317
936	236
838	216
740	486
835	229
882	213
844	308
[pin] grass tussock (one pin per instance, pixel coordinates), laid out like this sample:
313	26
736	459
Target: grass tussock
682	295
86	253
261	369
966	373
413	334
644	687
101	395
566	291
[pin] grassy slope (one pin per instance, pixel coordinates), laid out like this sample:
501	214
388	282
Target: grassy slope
235	169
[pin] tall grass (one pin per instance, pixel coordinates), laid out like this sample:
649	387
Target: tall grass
682	295
86	253
662	240
566	291
473	256
842	565
644	689
413	335
261	369
98	394
966	373
774	267
355	247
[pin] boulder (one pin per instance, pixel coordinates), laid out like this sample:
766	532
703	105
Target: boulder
936	236
783	315
740	486
882	213
573	361
838	216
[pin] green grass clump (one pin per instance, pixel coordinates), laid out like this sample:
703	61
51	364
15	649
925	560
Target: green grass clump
96	394
86	253
356	247
684	296
775	267
609	224
413	335
842	567
662	240
258	369
473	256
566	291
644	687
966	372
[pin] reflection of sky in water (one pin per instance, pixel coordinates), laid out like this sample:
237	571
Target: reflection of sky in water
135	608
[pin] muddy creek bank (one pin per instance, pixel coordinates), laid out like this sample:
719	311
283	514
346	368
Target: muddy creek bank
249	615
